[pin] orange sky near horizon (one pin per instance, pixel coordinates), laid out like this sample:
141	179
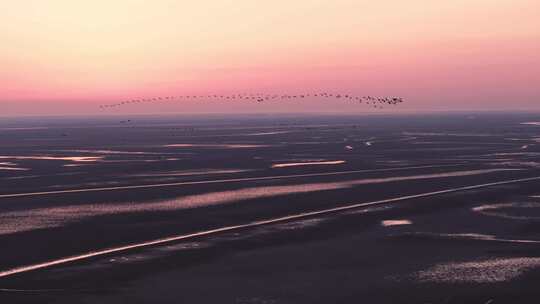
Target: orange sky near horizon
68	56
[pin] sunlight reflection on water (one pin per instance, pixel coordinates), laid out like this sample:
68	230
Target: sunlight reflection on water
62	158
316	163
389	223
483	271
18	221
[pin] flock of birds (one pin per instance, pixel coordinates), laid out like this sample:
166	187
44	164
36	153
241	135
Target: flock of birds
375	102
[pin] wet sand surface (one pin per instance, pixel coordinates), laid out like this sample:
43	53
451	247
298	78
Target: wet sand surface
271	209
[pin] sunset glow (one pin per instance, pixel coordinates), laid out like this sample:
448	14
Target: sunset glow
65	56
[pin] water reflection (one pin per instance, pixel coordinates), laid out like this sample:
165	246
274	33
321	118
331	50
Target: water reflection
531	123
389	223
19	221
191	172
62	158
225	146
13	168
113	152
484	271
9	166
514	211
316	163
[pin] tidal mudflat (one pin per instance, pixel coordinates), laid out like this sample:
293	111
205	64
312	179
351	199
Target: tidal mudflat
282	209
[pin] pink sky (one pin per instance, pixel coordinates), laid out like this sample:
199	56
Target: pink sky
65	56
